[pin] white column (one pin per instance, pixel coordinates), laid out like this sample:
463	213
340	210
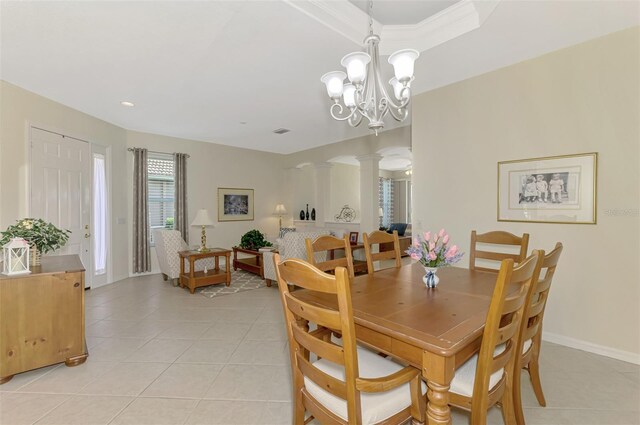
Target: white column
289	187
369	174
323	192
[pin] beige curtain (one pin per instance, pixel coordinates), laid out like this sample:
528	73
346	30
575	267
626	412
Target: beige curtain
181	215
141	246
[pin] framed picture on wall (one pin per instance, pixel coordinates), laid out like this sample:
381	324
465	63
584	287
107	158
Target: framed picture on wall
353	238
235	204
557	189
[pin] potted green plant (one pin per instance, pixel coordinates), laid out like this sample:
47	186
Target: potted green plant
253	240
43	237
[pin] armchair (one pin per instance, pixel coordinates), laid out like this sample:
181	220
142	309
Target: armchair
168	244
292	245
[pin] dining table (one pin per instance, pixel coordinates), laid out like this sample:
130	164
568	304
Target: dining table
434	329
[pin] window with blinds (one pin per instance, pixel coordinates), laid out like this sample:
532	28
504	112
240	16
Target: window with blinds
385	201
161	191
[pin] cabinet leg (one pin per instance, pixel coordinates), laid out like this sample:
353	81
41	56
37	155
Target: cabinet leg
268	283
5	379
76	360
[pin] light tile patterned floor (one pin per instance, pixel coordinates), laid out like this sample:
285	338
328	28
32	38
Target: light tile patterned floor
159	355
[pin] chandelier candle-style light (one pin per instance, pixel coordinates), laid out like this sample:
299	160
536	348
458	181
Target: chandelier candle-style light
365	95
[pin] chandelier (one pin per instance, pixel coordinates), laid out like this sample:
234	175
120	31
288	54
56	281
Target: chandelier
365	95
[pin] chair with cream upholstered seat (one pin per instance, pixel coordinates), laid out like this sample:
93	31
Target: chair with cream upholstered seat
487	377
349	384
504	239
531	331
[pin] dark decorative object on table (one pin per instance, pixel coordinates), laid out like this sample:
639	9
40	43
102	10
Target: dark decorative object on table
253	240
313	214
301	214
382	229
307	214
346	214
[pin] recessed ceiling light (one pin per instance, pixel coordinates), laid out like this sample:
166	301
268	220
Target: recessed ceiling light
127	103
243	122
281	130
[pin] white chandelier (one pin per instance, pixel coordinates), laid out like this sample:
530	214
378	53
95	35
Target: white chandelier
365	95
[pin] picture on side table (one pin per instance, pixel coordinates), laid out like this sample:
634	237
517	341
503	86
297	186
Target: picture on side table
353	238
559	189
235	204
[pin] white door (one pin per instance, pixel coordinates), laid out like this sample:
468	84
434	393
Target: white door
61	189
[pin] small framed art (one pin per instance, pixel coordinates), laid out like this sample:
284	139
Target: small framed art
353	238
235	204
557	189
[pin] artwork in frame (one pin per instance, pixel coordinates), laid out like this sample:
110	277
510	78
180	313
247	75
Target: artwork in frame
353	238
557	189
235	204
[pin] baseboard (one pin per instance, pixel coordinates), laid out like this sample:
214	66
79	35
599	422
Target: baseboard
614	353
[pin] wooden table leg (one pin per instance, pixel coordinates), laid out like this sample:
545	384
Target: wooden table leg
217	261
192	277
5	379
227	267
439	372
181	272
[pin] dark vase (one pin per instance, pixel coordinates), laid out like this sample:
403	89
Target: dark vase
313	214
301	214
307	215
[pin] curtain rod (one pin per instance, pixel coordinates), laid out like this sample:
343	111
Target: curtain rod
131	150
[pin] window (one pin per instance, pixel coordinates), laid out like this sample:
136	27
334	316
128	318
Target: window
99	215
161	191
385	201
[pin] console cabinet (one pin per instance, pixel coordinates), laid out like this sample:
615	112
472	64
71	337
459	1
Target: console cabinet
42	317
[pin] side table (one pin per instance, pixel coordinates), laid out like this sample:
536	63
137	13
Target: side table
195	279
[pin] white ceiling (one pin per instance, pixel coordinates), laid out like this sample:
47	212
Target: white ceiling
197	70
402	12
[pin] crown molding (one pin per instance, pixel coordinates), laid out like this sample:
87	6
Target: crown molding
351	22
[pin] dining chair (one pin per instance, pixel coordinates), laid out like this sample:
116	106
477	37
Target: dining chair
379	237
348	384
487	377
496	238
531	331
328	243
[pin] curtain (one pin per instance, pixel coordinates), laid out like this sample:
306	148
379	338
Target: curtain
141	245
385	201
181	215
99	215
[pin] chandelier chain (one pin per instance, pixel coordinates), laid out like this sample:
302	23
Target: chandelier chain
370	17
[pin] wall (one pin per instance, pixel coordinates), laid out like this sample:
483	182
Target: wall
212	166
581	99
18	109
345	188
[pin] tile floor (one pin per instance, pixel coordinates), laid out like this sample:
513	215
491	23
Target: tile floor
159	355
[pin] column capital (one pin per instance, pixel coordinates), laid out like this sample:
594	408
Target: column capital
369	157
323	164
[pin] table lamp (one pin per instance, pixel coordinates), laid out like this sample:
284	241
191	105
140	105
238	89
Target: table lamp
280	211
203	219
380	212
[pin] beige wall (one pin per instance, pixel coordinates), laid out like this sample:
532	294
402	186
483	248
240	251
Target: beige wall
345	188
581	99
212	166
20	108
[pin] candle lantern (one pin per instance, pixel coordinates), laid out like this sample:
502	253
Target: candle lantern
15	256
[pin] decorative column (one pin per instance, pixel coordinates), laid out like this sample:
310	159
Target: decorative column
323	192
289	189
369	174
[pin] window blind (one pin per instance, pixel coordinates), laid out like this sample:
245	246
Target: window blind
161	191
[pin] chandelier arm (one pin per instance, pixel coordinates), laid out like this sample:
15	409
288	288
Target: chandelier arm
399	114
405	102
340	110
355	119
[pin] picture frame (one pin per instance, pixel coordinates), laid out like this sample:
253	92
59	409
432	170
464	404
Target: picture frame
353	238
555	189
235	204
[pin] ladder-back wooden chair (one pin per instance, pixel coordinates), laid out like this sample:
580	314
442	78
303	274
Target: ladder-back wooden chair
531	331
348	385
487	377
328	243
379	237
496	238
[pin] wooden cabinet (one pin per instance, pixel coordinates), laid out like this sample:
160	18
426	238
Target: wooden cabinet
42	317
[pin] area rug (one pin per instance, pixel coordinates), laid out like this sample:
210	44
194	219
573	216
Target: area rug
241	281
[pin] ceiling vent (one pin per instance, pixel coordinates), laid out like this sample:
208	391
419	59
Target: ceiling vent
281	130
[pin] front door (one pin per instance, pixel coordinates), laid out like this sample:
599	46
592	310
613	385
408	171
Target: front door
61	189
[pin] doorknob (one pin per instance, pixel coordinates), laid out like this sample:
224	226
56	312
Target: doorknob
86	226
87	235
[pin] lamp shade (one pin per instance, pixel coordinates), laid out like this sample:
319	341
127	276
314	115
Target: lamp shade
202	219
397	88
356	64
280	210
380	212
334	82
402	62
349	95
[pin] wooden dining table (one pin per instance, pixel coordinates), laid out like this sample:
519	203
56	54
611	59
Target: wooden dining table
436	330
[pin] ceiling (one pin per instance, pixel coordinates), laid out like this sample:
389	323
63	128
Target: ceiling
403	12
199	70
